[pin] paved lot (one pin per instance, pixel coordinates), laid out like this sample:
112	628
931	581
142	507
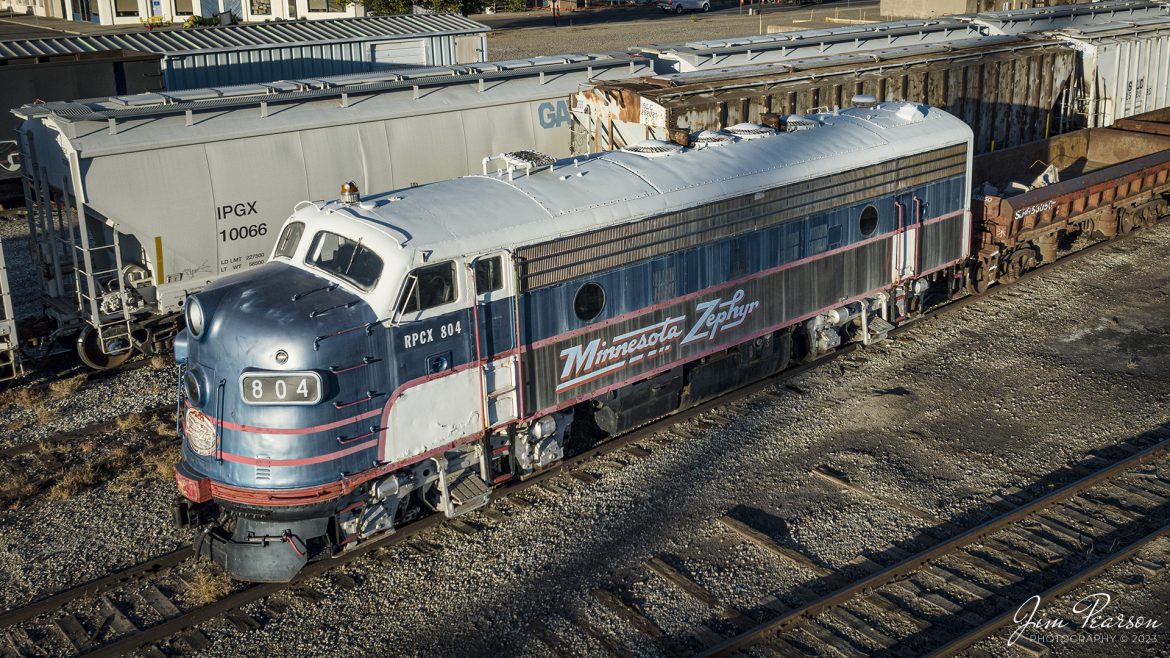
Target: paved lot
518	32
648	25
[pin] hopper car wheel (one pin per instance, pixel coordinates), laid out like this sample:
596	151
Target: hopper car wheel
1018	263
1126	224
978	280
89	349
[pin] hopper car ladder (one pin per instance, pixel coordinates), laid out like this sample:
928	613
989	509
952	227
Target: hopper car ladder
66	243
10	366
90	248
49	249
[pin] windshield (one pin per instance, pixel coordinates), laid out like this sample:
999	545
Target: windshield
346	259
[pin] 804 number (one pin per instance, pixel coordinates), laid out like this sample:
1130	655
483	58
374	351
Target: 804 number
239	233
280	388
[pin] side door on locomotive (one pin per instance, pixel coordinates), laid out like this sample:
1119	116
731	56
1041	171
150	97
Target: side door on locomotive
457	364
437	397
494	315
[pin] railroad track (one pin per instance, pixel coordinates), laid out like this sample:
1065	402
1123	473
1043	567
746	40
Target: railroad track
148	603
935	602
30	468
1045	547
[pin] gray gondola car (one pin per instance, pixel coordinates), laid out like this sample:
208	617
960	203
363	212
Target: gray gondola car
424	345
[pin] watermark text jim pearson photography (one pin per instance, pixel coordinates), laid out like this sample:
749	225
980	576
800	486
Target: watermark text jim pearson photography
1090	621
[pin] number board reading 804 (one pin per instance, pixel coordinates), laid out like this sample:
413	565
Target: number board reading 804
280	388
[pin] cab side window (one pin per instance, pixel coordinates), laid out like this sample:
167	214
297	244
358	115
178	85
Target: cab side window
428	287
289	239
489	275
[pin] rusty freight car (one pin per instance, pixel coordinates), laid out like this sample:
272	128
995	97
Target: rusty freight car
1011	90
1097	181
1156	122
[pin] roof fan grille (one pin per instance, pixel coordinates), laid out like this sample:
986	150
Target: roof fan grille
749	131
528	159
795	122
705	138
653	148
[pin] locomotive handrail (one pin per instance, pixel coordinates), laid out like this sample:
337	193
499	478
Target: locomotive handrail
366	360
342	440
222	388
370	395
322	311
329	288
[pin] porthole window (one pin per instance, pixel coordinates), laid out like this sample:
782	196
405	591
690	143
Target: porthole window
868	221
589	302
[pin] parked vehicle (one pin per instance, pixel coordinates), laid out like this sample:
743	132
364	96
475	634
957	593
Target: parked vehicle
678	6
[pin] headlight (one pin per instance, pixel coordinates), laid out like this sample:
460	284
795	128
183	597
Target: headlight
194	316
193	389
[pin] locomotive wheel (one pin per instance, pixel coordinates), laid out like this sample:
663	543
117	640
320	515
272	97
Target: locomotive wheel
89	350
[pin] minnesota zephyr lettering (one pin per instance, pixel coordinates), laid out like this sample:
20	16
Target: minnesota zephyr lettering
719	317
599	356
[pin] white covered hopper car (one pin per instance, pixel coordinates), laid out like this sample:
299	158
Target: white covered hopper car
136	201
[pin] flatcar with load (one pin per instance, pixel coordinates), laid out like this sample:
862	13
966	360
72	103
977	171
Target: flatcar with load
404	353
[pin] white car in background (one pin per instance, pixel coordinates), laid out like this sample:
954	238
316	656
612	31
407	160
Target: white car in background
679	5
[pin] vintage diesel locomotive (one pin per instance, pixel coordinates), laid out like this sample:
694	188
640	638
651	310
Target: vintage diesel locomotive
404	353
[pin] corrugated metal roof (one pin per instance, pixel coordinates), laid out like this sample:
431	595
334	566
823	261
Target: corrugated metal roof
1066	11
578	68
244	37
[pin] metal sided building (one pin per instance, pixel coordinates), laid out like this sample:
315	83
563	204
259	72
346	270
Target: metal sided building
193	185
1124	68
1081	15
1010	90
244	54
788	46
61	77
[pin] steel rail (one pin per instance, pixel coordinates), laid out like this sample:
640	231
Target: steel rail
79	433
918	560
61	599
1065	586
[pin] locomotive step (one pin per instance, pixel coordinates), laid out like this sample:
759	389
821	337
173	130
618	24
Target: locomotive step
468	492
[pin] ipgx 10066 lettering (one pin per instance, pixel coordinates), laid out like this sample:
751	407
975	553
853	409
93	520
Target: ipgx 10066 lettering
236	210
